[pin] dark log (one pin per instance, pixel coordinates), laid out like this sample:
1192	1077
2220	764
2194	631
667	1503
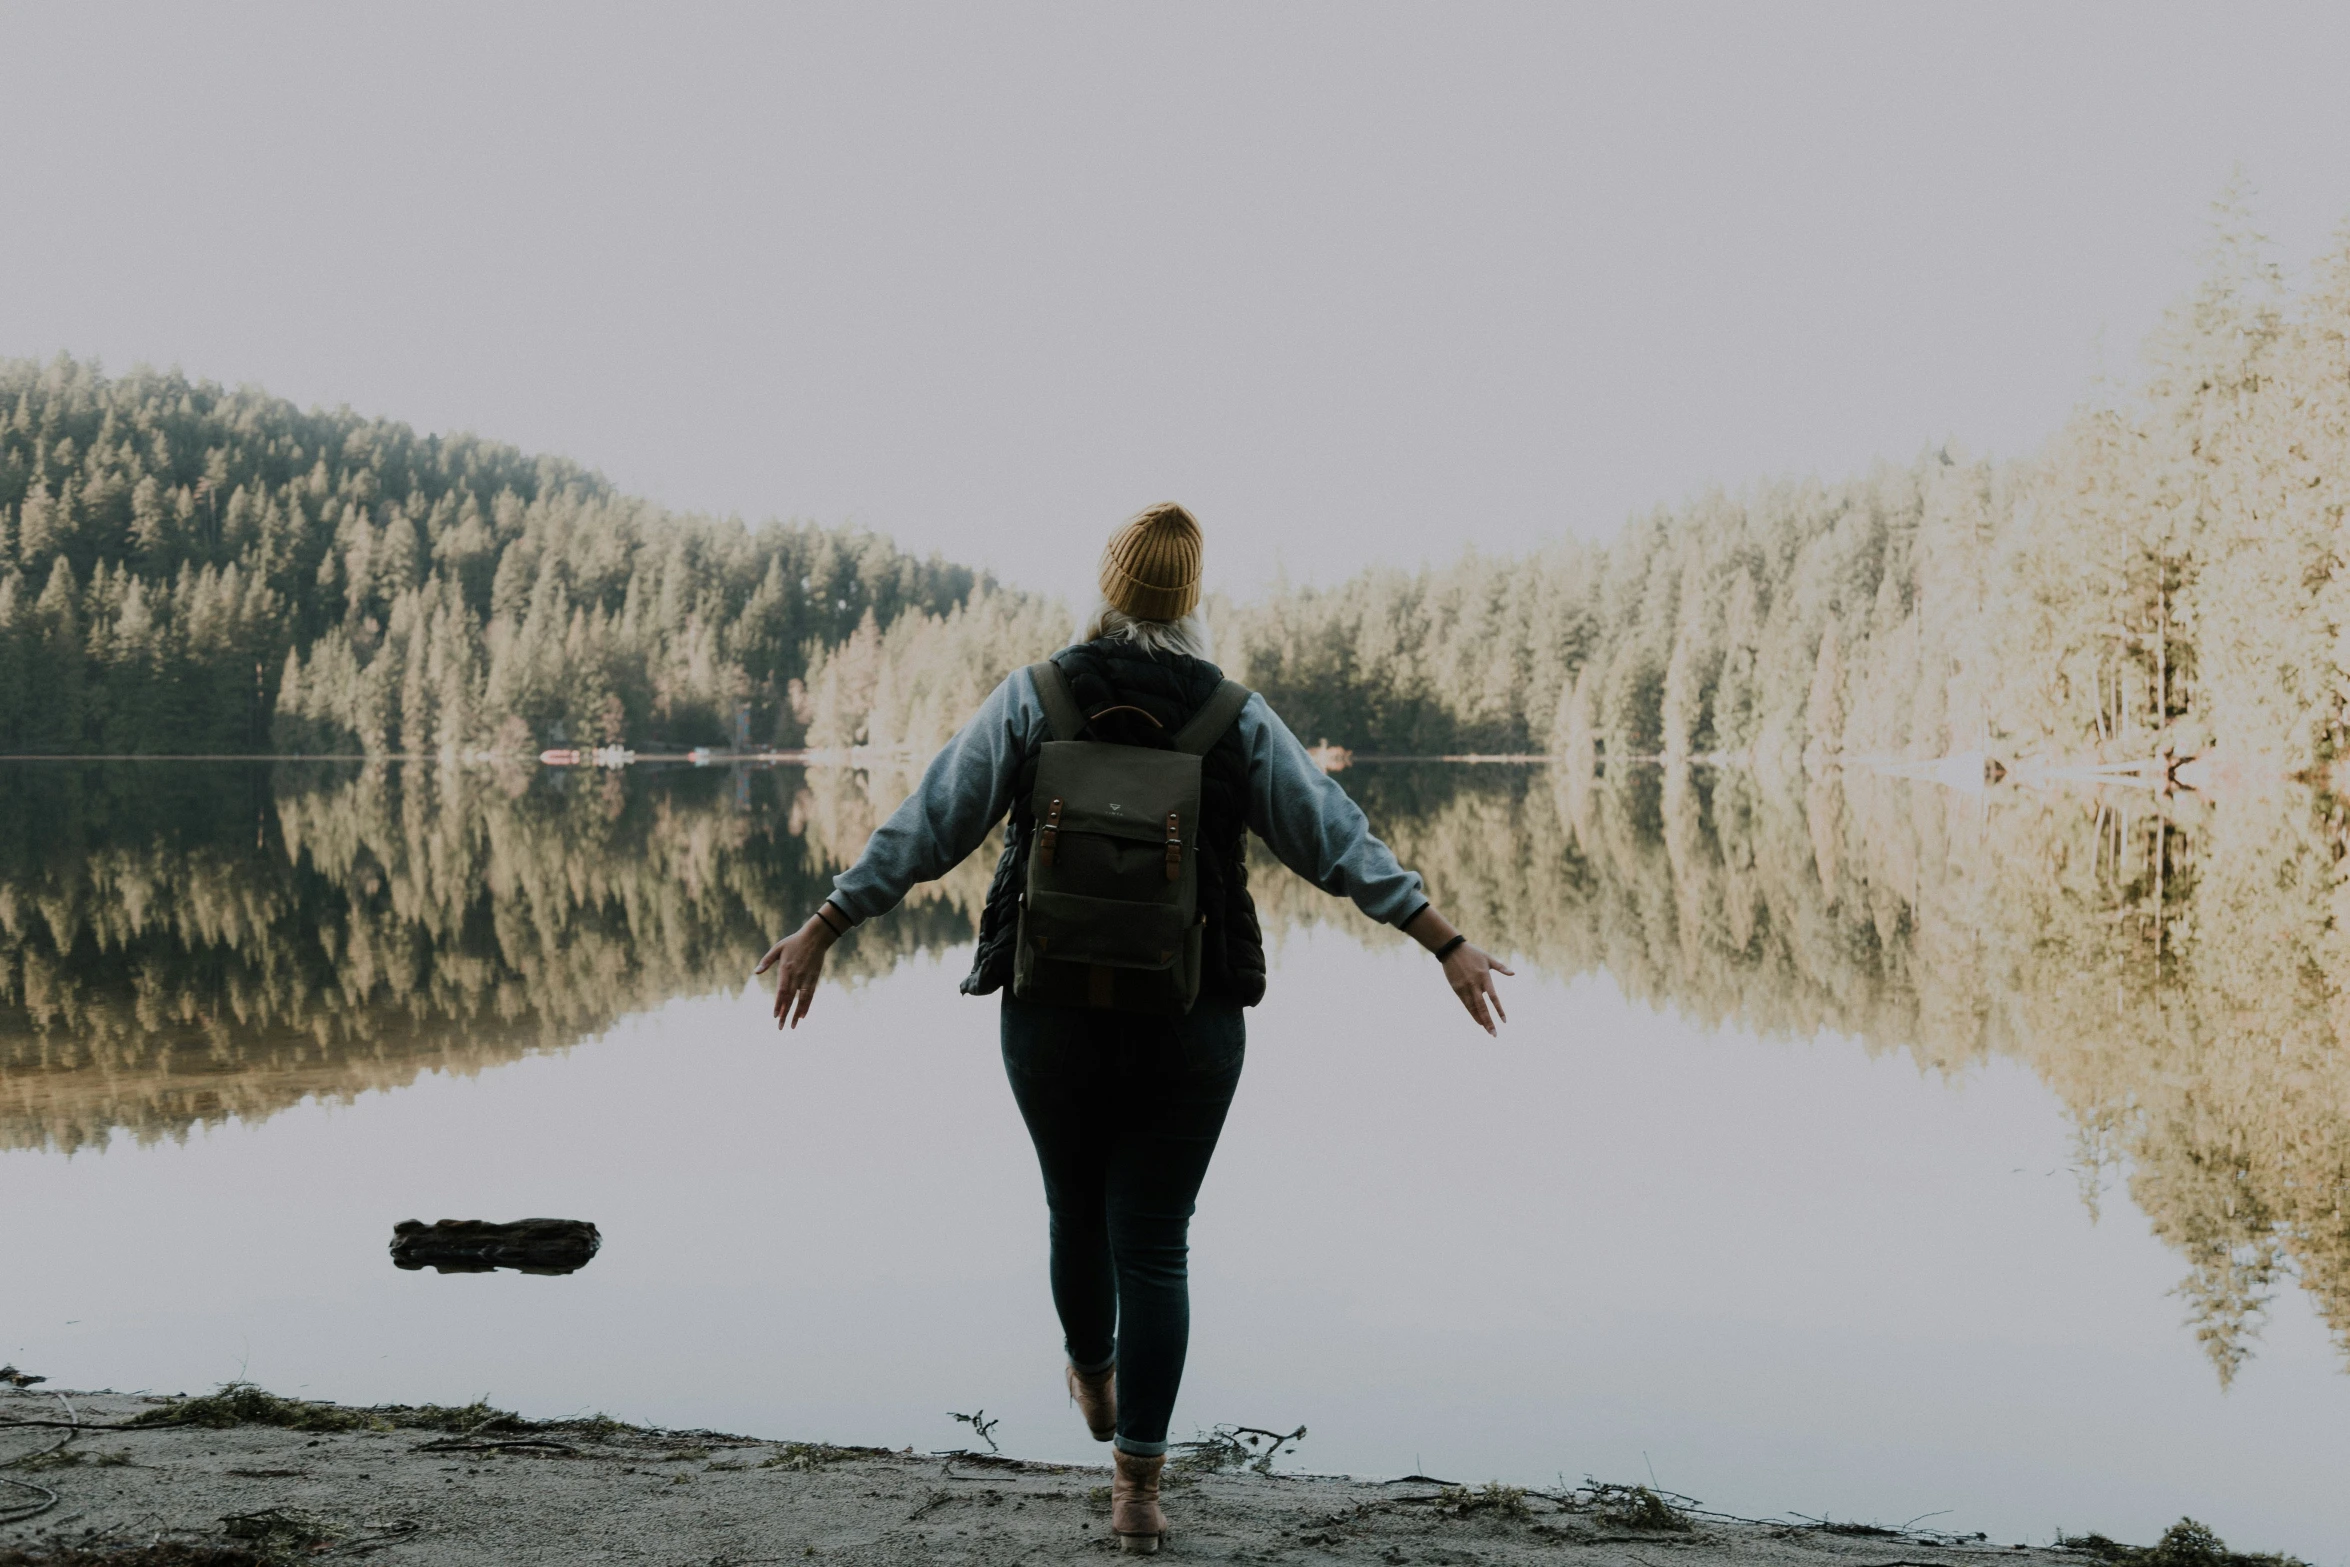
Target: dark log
477	1245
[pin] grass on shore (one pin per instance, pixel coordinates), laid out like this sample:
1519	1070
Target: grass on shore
1633	1507
244	1404
2184	1544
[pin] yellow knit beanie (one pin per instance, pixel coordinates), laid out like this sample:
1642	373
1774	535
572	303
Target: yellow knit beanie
1151	568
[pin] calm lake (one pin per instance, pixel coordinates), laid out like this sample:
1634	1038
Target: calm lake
1856	1148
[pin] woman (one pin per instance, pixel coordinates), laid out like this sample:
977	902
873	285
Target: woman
1125	1106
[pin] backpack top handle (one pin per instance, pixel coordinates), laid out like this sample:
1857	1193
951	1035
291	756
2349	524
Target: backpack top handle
1123	707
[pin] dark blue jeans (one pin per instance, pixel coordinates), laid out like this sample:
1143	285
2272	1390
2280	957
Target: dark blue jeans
1124	1111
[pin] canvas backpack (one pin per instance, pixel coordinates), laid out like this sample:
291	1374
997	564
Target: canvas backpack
1109	907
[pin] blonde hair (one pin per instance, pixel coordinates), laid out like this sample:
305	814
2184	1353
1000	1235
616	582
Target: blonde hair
1187	633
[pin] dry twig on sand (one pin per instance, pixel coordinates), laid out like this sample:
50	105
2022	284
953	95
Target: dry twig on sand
1230	1449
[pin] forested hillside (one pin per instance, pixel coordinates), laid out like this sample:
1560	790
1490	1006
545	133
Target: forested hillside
2167	573
184	568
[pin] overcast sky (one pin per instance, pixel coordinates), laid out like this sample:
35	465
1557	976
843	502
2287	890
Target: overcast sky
1353	281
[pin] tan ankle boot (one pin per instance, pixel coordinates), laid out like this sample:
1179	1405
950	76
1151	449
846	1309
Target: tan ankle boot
1096	1395
1134	1503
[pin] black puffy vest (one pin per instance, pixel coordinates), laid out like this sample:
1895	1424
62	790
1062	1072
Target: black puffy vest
1170	687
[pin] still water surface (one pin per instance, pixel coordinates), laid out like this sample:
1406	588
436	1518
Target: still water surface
1860	1150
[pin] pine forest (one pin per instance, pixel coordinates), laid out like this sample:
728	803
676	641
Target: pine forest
186	569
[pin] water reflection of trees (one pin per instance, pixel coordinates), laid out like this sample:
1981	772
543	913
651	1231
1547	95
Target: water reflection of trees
182	946
2171	971
179	947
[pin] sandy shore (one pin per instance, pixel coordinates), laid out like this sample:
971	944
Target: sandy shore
459	1487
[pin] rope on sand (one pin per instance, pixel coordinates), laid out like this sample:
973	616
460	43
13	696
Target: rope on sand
36	1509
73	1425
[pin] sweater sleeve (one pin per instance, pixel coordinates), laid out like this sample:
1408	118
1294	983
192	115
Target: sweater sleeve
964	791
1315	828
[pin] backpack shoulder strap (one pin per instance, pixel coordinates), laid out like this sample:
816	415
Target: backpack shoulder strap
1207	726
1060	703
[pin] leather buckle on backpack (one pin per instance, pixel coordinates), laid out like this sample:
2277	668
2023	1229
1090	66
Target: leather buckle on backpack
1174	847
1050	835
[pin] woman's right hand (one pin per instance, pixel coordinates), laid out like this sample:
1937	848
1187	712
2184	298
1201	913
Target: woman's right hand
798	959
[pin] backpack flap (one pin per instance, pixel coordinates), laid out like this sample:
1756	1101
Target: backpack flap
1114	877
1117	791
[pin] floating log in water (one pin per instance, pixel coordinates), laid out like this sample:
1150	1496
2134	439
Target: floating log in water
477	1246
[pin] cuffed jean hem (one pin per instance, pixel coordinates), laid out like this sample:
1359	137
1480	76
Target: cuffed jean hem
1127	1444
1084	1370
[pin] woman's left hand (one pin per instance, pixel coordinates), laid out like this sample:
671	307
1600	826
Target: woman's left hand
799	960
1470	973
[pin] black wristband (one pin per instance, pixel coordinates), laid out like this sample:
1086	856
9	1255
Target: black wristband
838	931
1451	947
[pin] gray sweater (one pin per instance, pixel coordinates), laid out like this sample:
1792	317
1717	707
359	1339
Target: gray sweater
1305	818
